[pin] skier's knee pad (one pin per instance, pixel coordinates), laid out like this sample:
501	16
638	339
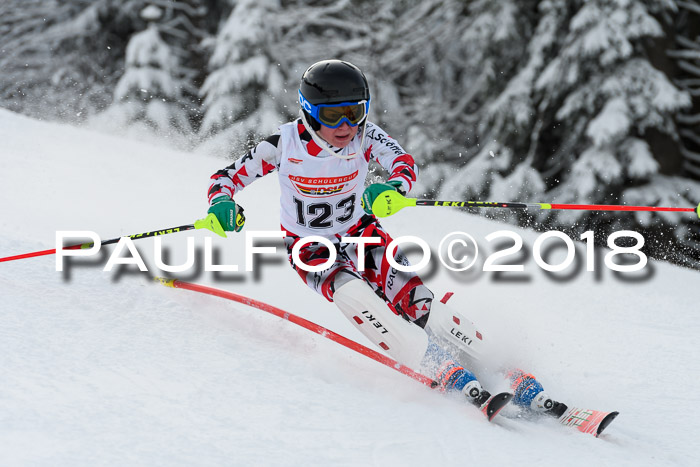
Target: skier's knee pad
456	333
402	340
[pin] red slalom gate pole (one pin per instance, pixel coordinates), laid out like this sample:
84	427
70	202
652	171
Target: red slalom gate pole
40	253
304	323
86	245
210	223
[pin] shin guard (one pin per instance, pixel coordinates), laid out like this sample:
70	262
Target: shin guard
404	341
456	333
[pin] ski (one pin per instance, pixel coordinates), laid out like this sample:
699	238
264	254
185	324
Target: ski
535	402
587	420
584	420
495	404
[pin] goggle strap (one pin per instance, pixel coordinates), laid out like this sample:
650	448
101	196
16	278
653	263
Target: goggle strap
324	145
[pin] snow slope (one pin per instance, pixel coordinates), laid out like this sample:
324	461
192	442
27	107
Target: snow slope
101	368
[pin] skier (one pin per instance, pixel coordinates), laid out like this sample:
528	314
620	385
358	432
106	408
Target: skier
322	160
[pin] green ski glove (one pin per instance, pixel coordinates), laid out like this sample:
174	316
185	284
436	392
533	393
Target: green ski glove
229	214
375	189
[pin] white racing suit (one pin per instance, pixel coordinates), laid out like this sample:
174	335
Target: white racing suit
320	196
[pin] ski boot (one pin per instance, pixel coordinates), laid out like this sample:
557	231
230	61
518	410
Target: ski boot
529	394
488	404
453	377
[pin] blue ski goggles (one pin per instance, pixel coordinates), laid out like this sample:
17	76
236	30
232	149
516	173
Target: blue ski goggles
333	115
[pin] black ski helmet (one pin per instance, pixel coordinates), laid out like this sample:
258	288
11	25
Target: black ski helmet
332	82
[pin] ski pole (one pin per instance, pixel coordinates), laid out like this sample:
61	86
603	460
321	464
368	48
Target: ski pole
304	323
210	223
391	202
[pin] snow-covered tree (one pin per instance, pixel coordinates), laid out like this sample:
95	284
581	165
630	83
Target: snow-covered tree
244	92
185	25
63	59
609	95
148	97
259	56
424	76
56	57
687	56
159	89
533	100
572	118
489	102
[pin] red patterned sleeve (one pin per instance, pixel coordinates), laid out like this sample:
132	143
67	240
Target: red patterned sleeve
258	162
390	155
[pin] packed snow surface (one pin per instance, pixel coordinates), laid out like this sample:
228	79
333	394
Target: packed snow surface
109	368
